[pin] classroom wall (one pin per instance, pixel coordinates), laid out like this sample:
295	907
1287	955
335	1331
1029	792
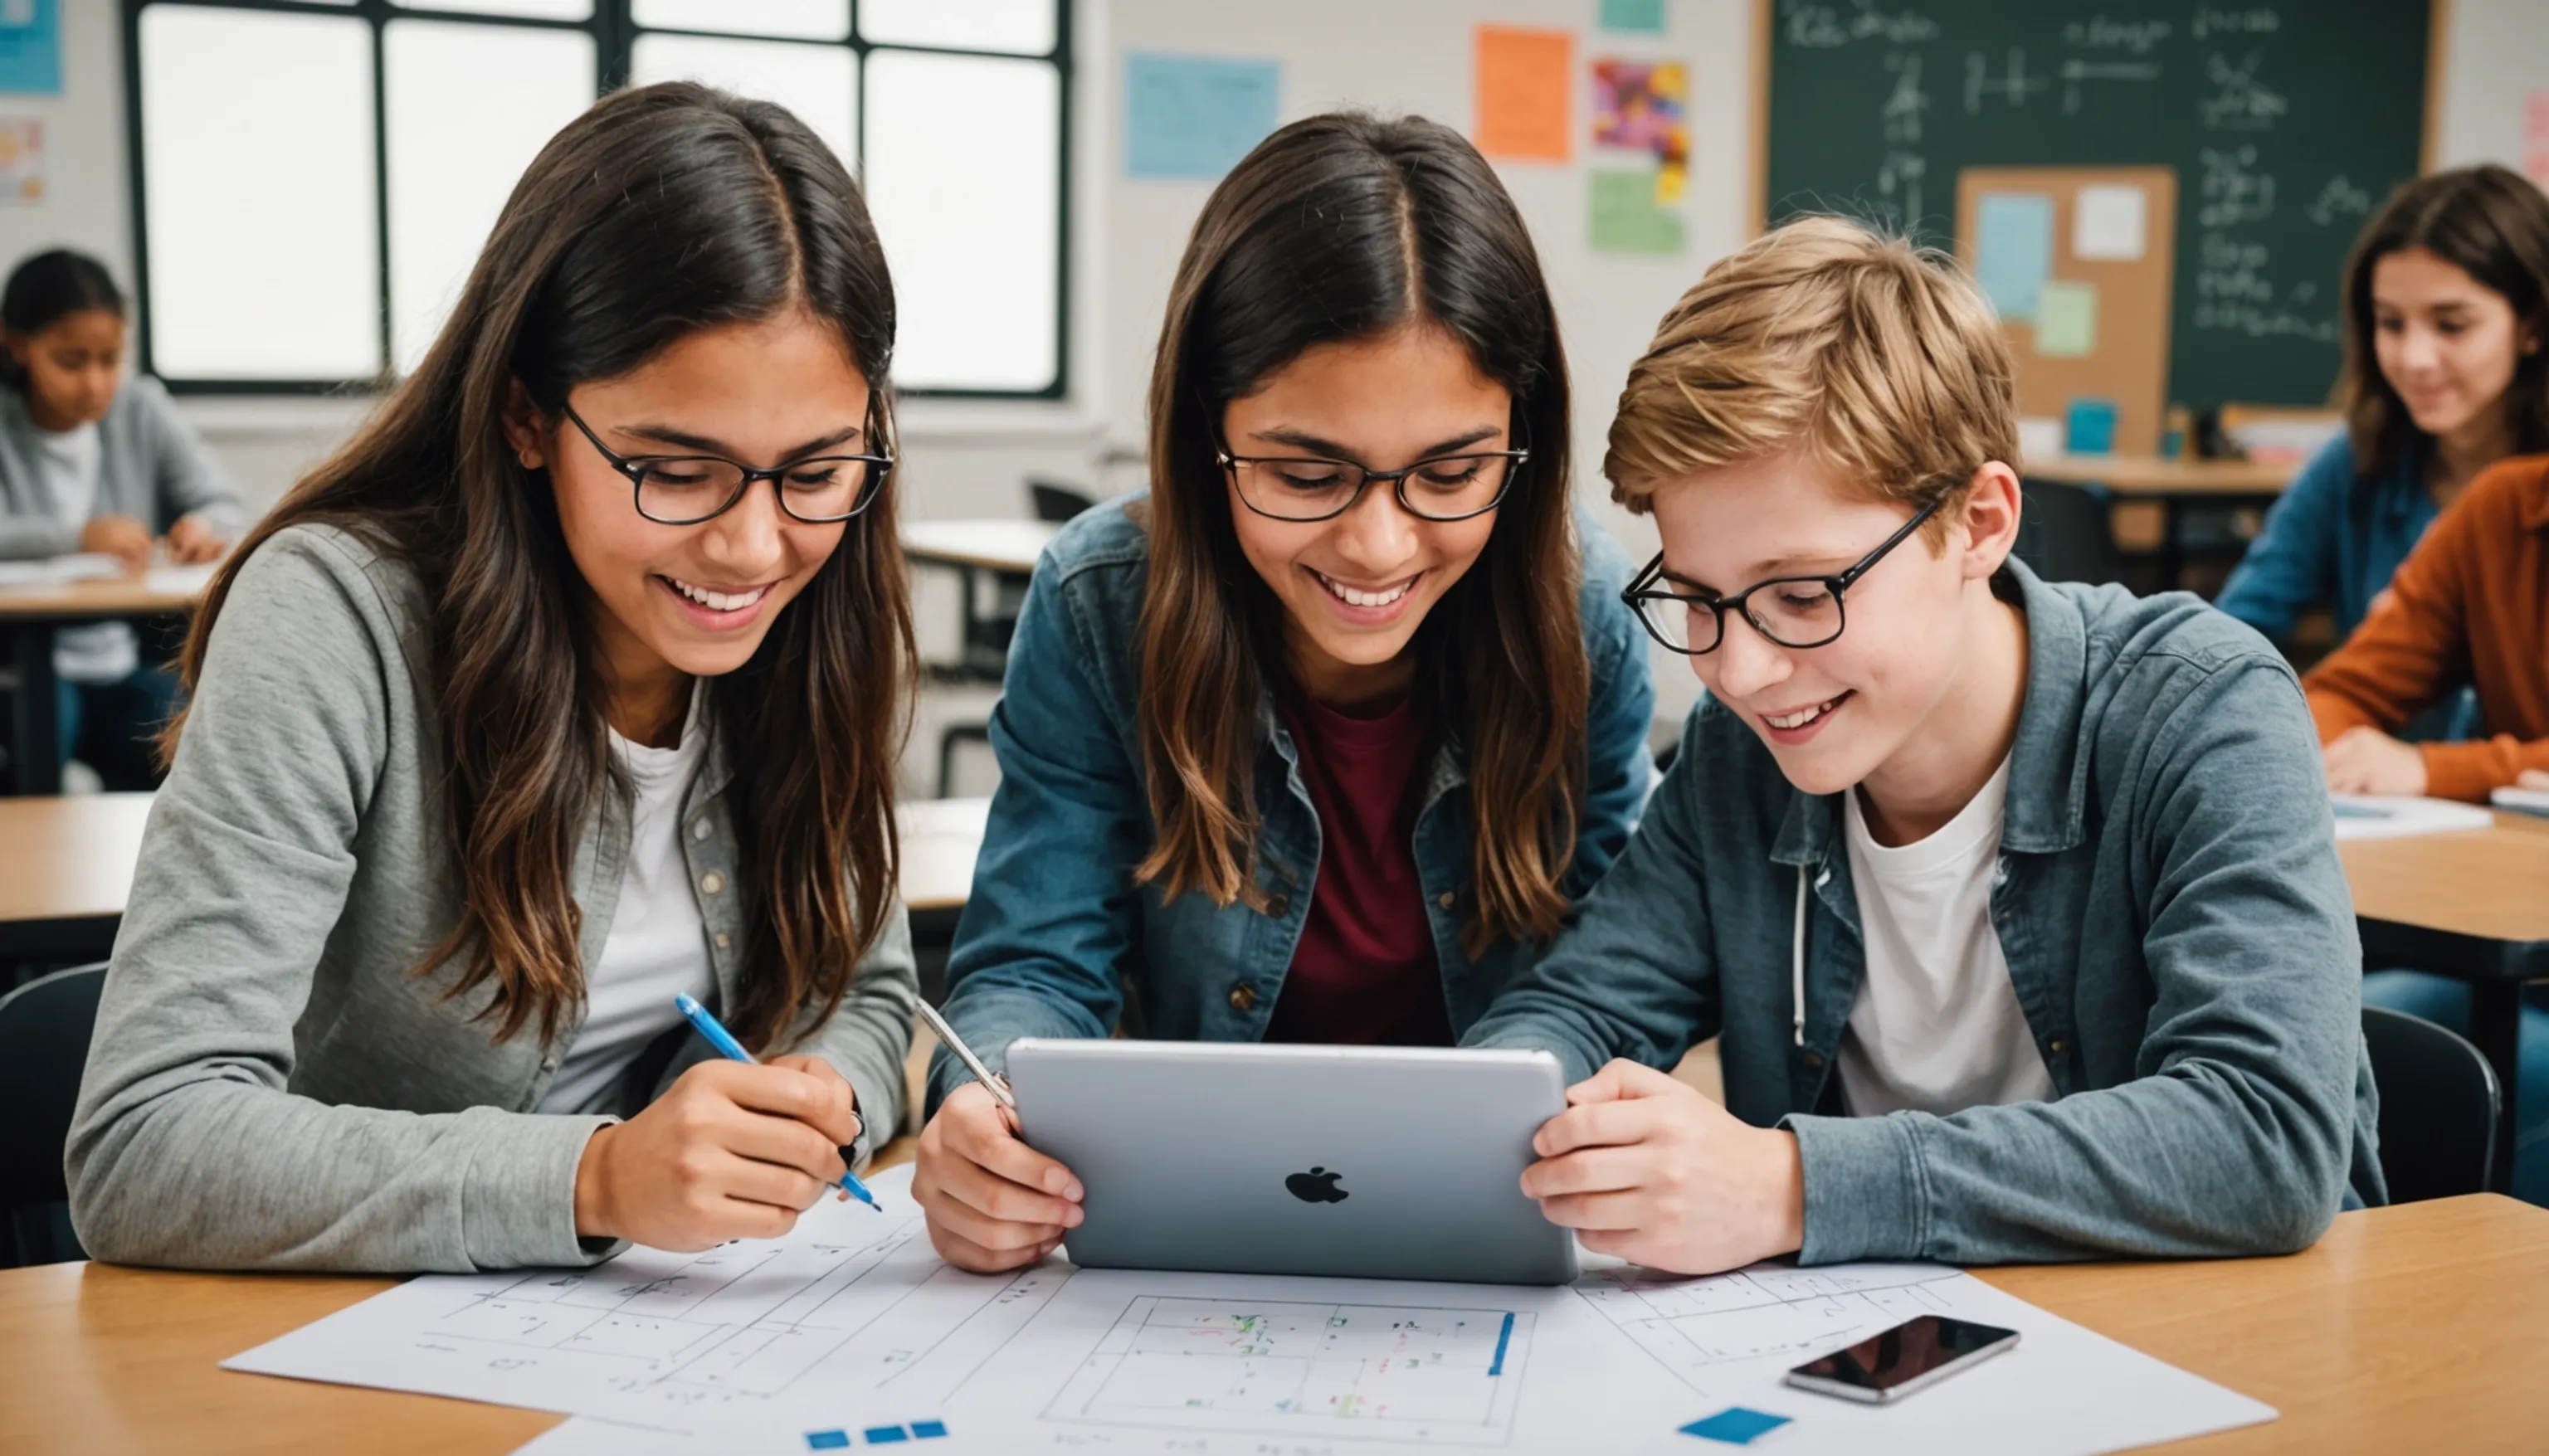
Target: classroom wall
2496	56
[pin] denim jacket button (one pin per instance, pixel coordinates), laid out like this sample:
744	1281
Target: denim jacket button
1278	906
712	882
1243	997
2054	1046
1814	1060
1446	900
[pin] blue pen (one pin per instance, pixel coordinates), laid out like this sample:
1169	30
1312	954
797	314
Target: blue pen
724	1041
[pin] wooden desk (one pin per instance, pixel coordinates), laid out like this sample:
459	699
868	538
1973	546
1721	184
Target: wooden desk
984	545
28	616
2473	906
2412	1329
66	868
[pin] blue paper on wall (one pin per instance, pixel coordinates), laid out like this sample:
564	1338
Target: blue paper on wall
1634	15
2013	249
1194	115
30	47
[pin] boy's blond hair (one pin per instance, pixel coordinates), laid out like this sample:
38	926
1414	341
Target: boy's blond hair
1878	358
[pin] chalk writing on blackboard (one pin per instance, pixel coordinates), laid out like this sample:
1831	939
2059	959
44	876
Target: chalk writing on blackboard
2213	19
2239	101
2231	191
2337	202
2013	86
2076	71
2133	37
1905	103
1822	26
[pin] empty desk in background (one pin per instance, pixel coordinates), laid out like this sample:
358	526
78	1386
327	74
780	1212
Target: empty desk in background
1003	550
28	617
2409	1328
2173	484
2471	905
67	870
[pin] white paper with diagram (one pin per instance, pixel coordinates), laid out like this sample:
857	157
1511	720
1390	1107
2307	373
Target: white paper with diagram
850	1333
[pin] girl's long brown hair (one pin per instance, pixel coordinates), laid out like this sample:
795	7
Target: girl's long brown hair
659	211
1345	226
2489	221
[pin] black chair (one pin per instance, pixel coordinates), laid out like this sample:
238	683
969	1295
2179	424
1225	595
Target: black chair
45	1029
2064	534
2439	1102
1056	503
987	633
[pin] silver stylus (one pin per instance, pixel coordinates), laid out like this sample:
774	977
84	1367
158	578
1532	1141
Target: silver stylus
993	1082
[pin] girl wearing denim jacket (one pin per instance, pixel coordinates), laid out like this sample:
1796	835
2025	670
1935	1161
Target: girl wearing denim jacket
1320	739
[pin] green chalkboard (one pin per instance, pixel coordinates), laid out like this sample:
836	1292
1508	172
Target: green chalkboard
2287	124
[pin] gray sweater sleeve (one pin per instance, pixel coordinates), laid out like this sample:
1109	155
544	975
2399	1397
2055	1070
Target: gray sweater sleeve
188	479
186	1147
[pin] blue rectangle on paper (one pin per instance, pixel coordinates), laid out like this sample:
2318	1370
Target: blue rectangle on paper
883	1436
827	1440
30	47
1634	15
2013	249
929	1430
1195	115
1735	1426
1504	1337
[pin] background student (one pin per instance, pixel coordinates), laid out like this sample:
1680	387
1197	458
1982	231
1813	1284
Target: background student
2470	608
2017	905
91	461
2443	377
1319	739
571	684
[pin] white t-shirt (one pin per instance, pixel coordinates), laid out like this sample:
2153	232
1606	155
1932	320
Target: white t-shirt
93	653
1937	1026
658	945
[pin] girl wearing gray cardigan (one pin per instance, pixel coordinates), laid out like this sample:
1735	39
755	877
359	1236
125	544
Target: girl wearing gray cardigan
572	683
90	460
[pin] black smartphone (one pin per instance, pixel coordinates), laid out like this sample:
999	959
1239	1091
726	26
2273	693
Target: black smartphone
1896	1362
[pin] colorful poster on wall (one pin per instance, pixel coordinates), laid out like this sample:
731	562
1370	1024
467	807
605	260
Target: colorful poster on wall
22	161
1624	217
30	47
1644	105
1647	15
1195	115
1523	94
2535	136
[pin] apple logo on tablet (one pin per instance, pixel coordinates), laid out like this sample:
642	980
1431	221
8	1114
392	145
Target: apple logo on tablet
1316	1186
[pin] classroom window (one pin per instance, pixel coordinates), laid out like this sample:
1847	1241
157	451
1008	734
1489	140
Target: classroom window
314	178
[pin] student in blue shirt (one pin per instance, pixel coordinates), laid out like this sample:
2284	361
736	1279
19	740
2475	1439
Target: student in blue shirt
1321	738
2016	905
2442	379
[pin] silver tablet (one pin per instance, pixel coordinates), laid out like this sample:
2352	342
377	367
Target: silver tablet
1373	1162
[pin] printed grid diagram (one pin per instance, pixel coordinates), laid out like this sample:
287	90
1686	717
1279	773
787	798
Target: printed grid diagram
1433	1376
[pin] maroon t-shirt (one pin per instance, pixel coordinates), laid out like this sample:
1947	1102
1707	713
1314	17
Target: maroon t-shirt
1365	972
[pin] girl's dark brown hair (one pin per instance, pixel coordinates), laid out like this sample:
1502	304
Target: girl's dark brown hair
659	211
1336	228
2492	224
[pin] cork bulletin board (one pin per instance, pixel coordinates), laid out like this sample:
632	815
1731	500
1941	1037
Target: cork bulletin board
2079	262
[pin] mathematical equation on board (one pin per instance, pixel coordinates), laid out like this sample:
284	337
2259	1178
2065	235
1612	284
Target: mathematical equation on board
2233	275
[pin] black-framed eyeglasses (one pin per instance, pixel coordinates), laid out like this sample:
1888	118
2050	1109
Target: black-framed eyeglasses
686	489
1312	487
1796	611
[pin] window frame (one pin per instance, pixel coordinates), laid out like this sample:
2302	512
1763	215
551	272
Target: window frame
614	32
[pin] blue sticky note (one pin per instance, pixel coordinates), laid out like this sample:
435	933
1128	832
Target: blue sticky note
883	1436
1634	15
929	1430
1195	115
1735	1426
30	47
827	1440
2013	249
